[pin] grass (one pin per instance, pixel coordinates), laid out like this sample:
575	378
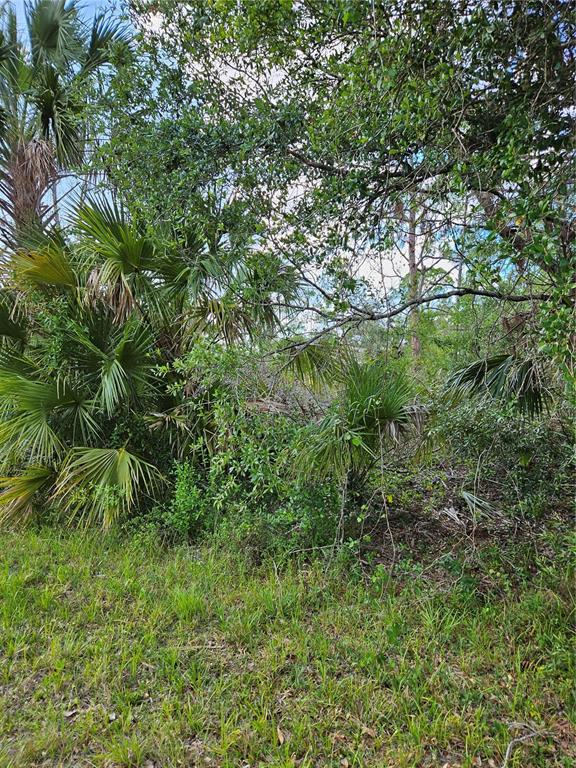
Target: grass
118	653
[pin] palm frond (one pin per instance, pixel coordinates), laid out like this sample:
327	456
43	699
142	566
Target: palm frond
479	507
187	276
16	72
54	31
10	56
98	485
116	254
176	424
376	401
18	491
105	33
374	407
314	364
117	362
46	264
25	431
109	235
39	415
522	382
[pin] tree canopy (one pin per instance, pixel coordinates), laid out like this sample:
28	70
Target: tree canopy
344	130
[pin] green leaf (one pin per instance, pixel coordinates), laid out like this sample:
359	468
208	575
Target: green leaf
98	485
17	493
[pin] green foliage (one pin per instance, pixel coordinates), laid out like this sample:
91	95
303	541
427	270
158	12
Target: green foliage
225	319
239	478
459	114
521	466
89	375
374	408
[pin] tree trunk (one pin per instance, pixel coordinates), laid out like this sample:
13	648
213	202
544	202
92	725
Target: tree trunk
55	211
413	281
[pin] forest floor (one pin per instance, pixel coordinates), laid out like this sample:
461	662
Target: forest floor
121	653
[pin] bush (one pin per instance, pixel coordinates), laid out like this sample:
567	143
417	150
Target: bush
524	466
237	476
246	489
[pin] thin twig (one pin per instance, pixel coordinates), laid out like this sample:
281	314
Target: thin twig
519	740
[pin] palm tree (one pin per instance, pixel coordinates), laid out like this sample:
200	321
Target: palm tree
372	409
91	321
44	88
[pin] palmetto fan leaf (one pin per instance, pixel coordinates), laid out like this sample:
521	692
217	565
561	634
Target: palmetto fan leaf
522	382
16	73
45	262
39	415
116	361
7	44
127	373
54	31
17	493
109	235
9	52
105	33
187	276
117	256
376	402
375	406
314	364
25	431
101	484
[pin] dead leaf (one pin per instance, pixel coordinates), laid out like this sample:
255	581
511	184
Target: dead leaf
71	713
281	737
344	763
368	732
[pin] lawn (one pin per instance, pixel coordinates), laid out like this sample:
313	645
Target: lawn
122	653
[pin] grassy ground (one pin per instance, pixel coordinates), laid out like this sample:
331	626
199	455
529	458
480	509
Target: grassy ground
122	654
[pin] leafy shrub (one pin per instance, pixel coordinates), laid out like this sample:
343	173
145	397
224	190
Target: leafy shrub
246	488
523	465
236	477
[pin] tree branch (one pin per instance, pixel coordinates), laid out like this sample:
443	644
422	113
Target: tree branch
450	294
364	315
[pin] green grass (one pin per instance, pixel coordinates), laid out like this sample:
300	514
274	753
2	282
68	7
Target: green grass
124	654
